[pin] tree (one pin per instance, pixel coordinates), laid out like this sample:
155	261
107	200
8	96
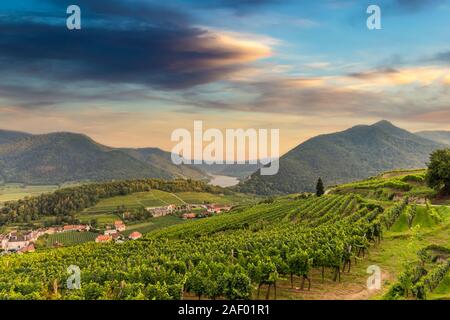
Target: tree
438	176
320	189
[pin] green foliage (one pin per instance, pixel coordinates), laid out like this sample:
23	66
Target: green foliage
434	214
416	280
219	257
438	176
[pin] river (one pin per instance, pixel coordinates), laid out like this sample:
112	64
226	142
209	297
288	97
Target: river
223	181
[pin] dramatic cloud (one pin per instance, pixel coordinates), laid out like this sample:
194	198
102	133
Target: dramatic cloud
384	93
442	57
166	53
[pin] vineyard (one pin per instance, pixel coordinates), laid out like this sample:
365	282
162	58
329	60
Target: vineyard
295	246
70	238
385	186
232	256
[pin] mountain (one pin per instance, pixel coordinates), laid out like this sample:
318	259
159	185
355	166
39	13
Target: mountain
60	157
11	136
162	159
438	136
353	154
240	171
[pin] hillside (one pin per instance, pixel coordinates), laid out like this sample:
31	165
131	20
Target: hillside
341	157
232	170
162	160
438	136
289	247
60	157
12	136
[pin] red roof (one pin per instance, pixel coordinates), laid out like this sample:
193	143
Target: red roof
102	238
135	235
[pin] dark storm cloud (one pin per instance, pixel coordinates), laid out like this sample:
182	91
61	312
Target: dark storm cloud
160	56
147	45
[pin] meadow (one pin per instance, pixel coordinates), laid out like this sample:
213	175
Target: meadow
17	191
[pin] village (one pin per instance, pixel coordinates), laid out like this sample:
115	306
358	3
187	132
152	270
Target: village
25	241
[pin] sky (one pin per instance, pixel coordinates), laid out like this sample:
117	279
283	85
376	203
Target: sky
139	69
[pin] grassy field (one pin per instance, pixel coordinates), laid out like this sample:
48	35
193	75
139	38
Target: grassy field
102	218
15	191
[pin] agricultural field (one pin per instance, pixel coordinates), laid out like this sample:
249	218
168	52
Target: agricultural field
17	191
103	211
157	198
69	238
289	247
152	198
387	185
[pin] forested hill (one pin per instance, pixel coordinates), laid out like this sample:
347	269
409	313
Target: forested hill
11	136
353	154
60	157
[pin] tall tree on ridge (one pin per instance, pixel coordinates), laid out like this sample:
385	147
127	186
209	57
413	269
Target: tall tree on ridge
320	189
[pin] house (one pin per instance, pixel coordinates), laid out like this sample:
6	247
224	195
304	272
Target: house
189	216
215	208
3	241
119	225
29	248
51	230
135	235
16	245
161	211
80	228
111	232
103	238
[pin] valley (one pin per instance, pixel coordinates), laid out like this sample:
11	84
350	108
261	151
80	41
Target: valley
140	227
295	246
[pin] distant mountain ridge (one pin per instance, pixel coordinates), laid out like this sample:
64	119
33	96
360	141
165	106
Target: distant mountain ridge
356	153
61	157
438	136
